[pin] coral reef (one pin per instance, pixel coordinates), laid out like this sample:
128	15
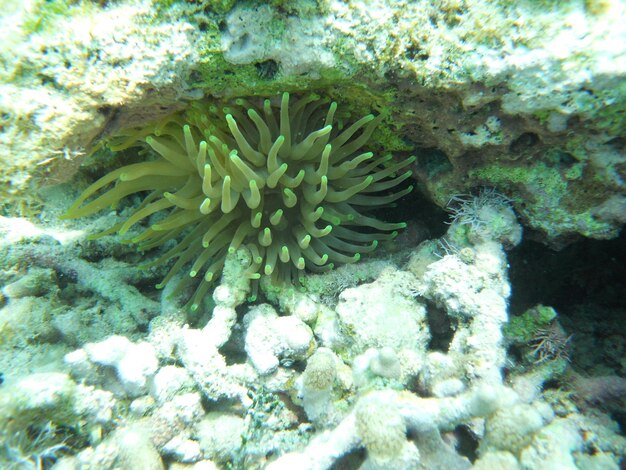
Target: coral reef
527	97
397	366
466	345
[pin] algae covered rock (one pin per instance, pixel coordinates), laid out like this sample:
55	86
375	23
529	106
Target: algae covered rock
368	319
526	97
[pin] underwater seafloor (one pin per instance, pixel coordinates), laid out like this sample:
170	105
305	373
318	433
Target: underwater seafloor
469	313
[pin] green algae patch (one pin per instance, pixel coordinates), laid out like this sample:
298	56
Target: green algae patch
522	328
555	206
43	14
540	180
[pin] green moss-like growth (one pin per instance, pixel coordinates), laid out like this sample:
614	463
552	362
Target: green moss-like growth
554	207
43	14
523	328
219	7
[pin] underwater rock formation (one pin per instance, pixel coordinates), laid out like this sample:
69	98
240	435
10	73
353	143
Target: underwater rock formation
417	356
526	97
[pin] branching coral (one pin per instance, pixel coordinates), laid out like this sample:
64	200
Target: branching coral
281	177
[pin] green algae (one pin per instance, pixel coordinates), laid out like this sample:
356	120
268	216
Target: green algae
522	328
550	204
43	15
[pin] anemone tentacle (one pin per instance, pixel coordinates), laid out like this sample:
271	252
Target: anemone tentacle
279	177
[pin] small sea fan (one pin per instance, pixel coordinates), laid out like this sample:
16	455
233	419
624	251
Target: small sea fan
281	178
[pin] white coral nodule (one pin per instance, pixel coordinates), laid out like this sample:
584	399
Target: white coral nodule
281	178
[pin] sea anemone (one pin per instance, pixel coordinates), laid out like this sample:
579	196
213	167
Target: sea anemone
280	177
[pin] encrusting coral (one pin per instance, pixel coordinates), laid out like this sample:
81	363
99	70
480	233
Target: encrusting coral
282	178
